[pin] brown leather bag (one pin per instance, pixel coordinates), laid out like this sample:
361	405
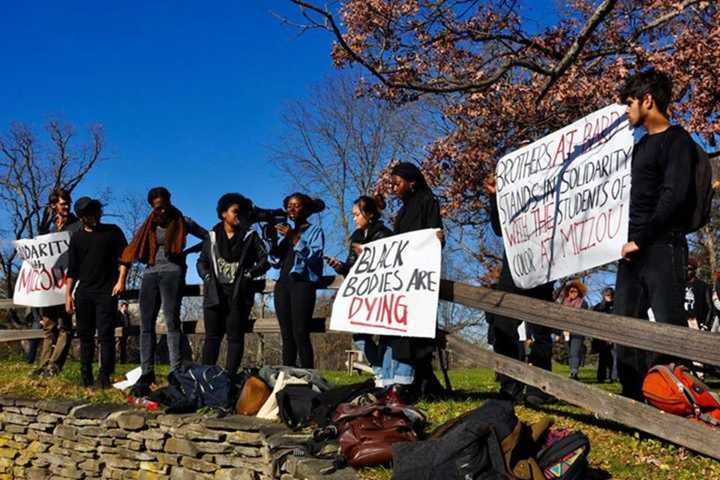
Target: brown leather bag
253	396
366	433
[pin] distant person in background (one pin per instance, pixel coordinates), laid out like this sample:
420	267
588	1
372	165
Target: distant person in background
607	359
367	215
160	244
298	253
94	265
123	314
698	299
573	296
56	322
232	256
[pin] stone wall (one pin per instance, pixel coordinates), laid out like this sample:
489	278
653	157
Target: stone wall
64	439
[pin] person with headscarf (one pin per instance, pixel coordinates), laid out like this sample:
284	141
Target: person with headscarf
159	244
573	295
408	361
298	254
233	255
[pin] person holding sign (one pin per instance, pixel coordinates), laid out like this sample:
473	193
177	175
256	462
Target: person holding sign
160	243
56	322
367	215
299	256
505	329
652	271
94	265
232	256
410	359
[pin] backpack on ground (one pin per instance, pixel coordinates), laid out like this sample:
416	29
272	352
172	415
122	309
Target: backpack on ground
490	442
200	386
366	433
674	389
295	404
253	396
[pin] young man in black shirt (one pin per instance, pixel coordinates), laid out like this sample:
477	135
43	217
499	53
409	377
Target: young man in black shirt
94	263
652	271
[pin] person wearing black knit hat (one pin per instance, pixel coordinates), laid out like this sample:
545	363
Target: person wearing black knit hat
299	256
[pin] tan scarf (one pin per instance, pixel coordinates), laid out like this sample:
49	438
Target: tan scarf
144	246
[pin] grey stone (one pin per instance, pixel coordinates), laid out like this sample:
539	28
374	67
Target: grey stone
198	465
287	438
116	461
94	432
168	459
16	429
234	474
16	418
198	432
65	431
117	433
147	435
248	451
155	467
181	446
244	438
155	445
139	456
237	422
37	473
143	475
95	412
213	447
131	421
43	427
29	411
67	471
92	466
61	407
180	473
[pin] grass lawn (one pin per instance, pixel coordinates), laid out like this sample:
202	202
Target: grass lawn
616	452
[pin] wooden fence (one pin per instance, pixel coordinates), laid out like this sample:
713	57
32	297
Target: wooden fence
678	341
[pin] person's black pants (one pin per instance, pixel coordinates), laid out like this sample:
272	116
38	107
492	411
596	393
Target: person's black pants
654	279
96	312
605	360
231	319
294	306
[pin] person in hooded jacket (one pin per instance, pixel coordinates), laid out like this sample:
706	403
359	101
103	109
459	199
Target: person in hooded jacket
409	360
299	256
367	215
232	256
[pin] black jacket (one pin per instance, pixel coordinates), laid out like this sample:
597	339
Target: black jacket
420	210
254	264
375	231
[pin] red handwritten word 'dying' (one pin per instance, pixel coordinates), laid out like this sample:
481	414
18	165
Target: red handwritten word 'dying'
387	312
41	279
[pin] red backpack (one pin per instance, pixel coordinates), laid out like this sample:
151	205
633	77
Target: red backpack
674	389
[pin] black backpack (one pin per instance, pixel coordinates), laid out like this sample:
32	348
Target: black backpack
295	404
703	191
197	386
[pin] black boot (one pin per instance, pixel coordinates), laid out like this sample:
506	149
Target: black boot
103	381
86	375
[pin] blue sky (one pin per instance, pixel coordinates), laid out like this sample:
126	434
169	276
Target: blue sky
189	94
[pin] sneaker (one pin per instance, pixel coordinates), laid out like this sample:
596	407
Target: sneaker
38	372
51	370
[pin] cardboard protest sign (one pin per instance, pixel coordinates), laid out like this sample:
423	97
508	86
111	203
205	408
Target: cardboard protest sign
393	288
41	281
563	200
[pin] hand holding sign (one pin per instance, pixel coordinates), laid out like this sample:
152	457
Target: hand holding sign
393	287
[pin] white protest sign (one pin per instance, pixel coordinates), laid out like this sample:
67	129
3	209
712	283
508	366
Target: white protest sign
41	281
564	200
393	288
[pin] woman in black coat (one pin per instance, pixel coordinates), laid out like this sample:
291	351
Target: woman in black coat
232	256
411	362
367	215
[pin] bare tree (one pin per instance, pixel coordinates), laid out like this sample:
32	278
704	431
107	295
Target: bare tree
30	168
336	143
